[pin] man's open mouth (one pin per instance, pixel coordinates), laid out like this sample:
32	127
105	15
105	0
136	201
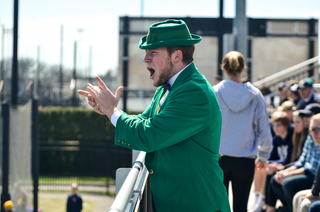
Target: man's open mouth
152	71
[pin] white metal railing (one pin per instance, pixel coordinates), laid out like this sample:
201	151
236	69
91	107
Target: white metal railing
131	191
282	75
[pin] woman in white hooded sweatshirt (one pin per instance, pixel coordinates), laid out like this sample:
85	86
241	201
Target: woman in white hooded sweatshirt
246	140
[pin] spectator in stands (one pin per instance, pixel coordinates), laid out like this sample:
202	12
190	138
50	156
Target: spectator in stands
74	203
280	156
180	130
303	199
300	133
245	134
288	107
294	95
283	92
301	130
313	108
286	183
301	119
307	92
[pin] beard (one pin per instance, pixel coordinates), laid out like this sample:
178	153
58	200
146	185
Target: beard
165	74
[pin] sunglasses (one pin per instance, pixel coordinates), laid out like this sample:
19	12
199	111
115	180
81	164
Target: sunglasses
315	130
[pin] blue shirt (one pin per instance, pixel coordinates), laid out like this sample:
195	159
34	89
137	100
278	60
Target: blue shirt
282	148
309	158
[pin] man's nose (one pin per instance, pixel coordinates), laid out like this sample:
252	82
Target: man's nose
146	59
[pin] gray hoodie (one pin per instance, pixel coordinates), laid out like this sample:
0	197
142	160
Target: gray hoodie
245	126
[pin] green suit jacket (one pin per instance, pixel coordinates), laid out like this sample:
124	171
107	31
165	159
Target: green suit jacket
182	144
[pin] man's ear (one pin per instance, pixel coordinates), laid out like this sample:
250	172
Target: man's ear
177	56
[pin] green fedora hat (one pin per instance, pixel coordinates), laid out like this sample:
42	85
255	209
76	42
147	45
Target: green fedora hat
168	33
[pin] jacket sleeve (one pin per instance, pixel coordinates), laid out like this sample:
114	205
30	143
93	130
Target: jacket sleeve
316	185
306	148
311	166
262	130
80	203
68	204
184	115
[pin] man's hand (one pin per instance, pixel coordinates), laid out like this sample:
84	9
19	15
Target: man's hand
101	98
105	100
91	101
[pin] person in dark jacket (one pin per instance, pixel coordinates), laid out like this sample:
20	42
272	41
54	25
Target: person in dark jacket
306	92
280	156
74	203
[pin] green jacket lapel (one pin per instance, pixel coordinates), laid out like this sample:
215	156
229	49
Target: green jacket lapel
185	74
180	80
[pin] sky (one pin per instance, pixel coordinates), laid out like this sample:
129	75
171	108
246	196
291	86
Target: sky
94	24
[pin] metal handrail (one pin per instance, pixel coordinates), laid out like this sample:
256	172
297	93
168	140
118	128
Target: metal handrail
123	197
285	73
134	202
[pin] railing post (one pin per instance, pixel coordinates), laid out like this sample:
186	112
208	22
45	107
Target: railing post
130	186
145	204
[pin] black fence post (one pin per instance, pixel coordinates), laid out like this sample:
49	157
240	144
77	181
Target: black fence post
35	153
5	153
125	62
311	36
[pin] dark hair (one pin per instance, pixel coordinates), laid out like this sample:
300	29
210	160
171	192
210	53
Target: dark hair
280	116
187	52
233	63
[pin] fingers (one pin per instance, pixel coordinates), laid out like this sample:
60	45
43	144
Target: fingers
92	103
101	83
118	93
96	108
83	93
92	91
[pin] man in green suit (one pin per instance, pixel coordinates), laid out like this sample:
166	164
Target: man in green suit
180	130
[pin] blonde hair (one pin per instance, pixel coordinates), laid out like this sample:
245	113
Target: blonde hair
315	117
287	105
280	116
233	63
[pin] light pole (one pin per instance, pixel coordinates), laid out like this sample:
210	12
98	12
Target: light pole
61	67
74	78
2	64
2	67
80	31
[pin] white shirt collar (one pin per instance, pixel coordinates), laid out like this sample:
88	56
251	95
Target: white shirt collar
173	79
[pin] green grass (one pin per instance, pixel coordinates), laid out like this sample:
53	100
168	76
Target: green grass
109	193
59	205
43	179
